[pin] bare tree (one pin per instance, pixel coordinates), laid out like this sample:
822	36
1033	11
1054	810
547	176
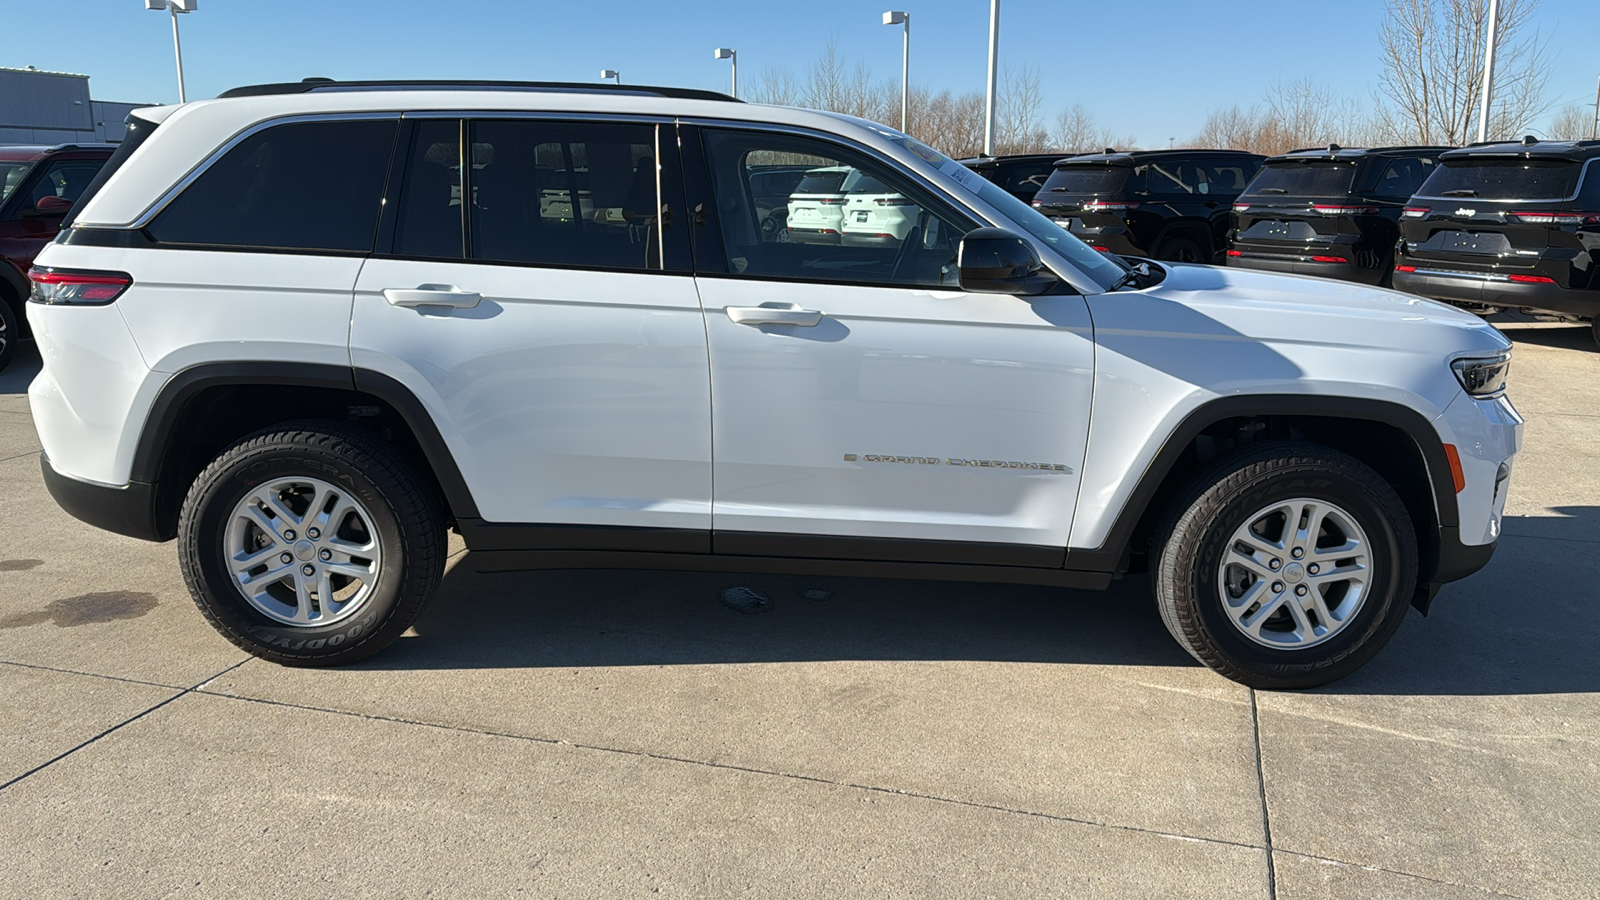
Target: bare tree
1077	132
1017	125
1432	54
1572	123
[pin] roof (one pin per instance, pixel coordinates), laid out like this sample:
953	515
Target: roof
329	85
1334	152
1527	148
29	70
15	152
1128	157
977	162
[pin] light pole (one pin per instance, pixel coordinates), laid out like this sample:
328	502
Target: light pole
1594	127
725	53
903	18
612	74
994	61
1488	71
174	7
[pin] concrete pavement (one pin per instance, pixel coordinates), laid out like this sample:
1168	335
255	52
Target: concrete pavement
607	734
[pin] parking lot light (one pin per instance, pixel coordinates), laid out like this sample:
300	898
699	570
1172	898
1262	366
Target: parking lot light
730	54
612	74
895	17
174	7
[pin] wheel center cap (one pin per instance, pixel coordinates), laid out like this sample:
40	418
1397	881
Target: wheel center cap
1294	573
304	551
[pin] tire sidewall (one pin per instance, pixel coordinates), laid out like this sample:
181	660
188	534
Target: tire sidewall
11	333
1375	621
226	604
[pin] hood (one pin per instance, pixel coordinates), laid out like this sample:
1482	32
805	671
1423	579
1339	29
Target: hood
1302	309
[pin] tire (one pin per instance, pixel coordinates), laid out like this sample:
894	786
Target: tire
10	332
393	522
1204	597
1181	249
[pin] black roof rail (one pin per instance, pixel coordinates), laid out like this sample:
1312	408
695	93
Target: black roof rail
97	145
311	85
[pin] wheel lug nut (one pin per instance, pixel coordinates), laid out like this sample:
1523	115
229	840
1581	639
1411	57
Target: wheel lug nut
326	555
1300	590
308	569
1277	587
1313	568
1275	564
286	558
1297	553
288	534
313	533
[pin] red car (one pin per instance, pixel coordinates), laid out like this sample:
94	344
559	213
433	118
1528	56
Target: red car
38	187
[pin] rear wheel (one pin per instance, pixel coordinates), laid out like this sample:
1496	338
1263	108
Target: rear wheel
1182	249
1288	565
10	332
310	544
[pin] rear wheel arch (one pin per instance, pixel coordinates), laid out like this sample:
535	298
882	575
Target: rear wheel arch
14	291
204	409
1396	441
1196	230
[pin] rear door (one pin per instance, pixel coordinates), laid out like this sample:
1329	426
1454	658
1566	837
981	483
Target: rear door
534	303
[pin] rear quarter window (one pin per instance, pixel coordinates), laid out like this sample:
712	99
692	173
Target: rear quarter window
1511	179
298	186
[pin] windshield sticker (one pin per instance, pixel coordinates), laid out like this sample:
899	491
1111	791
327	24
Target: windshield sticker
961	175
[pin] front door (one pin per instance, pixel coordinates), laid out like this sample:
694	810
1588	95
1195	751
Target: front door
531	308
859	393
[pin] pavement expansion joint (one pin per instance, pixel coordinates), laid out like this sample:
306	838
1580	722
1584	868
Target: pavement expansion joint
1055	817
59	670
1261	785
128	721
1428	878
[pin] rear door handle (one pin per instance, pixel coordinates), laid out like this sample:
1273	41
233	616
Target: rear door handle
432	295
788	314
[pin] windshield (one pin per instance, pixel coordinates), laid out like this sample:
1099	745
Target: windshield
1300	179
1508	179
11	174
1090	179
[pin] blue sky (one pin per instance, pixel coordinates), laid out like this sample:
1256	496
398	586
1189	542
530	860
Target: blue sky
1150	69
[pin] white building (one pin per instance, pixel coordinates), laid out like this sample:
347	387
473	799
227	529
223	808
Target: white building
54	108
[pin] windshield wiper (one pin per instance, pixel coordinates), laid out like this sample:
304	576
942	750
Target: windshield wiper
1131	276
1460	192
1272	190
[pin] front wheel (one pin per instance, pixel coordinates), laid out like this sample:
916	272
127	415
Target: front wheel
1287	565
310	544
10	333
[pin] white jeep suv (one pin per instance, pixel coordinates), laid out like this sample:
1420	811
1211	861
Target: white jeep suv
306	328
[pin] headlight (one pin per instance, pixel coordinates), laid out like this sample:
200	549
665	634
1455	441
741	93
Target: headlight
1483	377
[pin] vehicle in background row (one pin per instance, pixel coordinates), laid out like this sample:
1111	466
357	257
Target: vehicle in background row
38	186
816	208
875	213
1163	204
770	188
1508	225
1333	212
1019	174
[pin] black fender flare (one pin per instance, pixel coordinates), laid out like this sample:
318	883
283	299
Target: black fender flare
1110	556
150	452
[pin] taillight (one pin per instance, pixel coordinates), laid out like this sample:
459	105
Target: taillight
1240	207
1038	203
57	287
1339	209
1554	218
1337	259
1405	268
830	201
1235	252
1530	279
1415	212
1108	205
1101	249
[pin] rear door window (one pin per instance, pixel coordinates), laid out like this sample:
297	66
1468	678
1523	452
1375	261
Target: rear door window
1302	179
1225	177
300	186
1510	179
65	179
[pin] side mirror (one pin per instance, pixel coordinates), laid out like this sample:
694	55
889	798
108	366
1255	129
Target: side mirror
50	206
996	261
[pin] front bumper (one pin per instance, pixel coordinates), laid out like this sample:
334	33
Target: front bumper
1493	289
128	509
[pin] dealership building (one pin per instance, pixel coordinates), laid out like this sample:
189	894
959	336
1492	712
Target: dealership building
55	108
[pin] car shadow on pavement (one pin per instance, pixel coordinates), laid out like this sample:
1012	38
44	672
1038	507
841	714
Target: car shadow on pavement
1488	635
15	377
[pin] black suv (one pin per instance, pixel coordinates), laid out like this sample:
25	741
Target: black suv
1508	225
1332	212
1164	204
1020	174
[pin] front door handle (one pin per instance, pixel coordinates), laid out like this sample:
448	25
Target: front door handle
787	314
432	295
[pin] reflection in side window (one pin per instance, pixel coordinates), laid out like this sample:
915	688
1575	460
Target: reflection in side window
845	216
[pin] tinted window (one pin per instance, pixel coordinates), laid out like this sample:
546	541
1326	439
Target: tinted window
565	193
1225	177
883	232
1089	179
1023	179
66	180
1402	177
1299	179
1512	179
305	186
11	175
428	223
